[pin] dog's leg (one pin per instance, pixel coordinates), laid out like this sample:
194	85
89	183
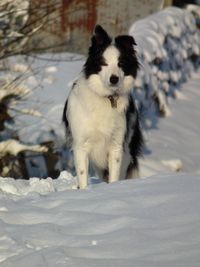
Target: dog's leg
114	162
81	164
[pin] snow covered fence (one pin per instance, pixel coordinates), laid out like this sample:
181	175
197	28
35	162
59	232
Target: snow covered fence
168	45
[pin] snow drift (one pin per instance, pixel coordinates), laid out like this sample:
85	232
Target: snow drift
168	44
147	222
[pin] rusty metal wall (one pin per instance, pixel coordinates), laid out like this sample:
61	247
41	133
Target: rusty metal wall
71	22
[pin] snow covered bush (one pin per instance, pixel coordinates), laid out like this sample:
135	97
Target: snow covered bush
15	31
11	92
168	44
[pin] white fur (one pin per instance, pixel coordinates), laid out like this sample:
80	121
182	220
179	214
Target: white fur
97	128
100	83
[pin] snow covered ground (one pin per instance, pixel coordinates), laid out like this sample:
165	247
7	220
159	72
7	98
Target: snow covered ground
153	221
176	138
145	222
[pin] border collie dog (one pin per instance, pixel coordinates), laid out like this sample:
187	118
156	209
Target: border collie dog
100	116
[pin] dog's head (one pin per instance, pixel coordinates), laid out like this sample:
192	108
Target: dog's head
111	68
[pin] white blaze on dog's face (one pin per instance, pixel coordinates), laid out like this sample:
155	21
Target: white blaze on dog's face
111	69
112	74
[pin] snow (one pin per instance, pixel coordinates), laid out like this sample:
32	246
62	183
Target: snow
12	90
144	222
173	143
166	43
35	185
13	147
152	221
51	81
177	137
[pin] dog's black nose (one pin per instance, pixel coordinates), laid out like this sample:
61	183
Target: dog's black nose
114	79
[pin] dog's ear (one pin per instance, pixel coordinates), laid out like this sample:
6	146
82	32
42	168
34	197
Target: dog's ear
100	38
125	42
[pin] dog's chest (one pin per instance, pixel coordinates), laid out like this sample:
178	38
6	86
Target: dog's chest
103	120
105	128
95	123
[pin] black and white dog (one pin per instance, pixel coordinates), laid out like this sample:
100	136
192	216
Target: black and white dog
100	115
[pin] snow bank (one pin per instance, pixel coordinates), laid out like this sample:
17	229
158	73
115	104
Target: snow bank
168	44
175	142
35	185
145	222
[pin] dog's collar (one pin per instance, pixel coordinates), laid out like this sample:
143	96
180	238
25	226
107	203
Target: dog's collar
113	100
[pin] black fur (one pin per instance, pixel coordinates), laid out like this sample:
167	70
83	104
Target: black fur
64	117
137	141
100	41
67	127
128	60
66	122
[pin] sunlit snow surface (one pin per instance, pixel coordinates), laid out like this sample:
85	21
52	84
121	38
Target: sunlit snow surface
144	222
149	222
176	138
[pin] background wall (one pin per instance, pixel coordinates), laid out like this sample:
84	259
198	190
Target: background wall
68	24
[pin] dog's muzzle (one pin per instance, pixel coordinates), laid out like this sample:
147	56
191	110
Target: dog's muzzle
114	79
